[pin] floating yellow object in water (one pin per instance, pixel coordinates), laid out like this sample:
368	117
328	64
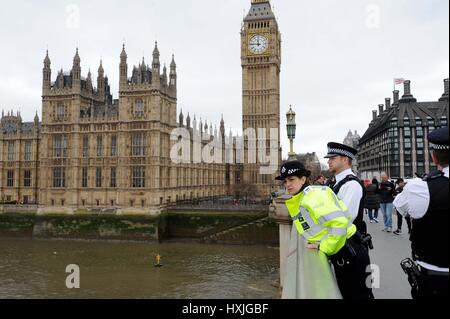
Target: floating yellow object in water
158	261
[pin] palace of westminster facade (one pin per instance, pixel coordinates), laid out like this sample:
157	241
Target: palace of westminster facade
93	151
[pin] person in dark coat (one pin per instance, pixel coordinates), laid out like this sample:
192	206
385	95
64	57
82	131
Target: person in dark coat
401	184
387	192
372	201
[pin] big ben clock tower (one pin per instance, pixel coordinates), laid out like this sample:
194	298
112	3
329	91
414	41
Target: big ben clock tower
261	61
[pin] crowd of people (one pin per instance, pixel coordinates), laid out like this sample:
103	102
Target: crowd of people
381	195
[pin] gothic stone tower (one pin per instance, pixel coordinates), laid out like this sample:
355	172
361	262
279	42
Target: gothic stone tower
68	106
148	111
261	61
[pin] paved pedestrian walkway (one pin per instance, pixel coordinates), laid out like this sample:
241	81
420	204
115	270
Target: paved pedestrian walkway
389	250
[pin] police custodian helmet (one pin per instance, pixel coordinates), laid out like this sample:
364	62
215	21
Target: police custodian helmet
292	168
439	139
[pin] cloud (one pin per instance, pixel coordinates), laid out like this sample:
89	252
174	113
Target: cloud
339	57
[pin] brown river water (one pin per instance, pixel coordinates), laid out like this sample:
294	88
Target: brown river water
37	269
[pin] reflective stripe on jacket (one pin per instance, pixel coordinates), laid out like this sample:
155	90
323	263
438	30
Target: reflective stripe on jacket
321	217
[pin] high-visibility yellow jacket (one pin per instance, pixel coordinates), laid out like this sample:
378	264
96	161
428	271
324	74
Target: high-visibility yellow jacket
321	217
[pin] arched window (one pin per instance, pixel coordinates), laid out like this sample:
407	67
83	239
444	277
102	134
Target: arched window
60	110
139	107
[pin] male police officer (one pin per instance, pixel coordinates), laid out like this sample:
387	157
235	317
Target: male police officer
347	186
427	202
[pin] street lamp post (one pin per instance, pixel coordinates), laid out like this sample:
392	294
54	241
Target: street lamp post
291	127
281	213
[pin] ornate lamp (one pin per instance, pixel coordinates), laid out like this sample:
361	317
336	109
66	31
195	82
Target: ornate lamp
291	128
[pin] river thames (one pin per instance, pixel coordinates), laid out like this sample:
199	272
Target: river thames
37	269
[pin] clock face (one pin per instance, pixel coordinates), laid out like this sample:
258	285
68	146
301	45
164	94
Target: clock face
258	44
10	127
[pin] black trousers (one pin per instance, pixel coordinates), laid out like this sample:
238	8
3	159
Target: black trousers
352	271
400	222
432	285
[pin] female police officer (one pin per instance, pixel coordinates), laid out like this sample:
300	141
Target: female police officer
323	220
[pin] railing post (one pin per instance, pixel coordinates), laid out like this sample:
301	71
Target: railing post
285	225
308	273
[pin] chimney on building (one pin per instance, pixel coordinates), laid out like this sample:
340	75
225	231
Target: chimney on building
388	103
407	88
380	108
446	89
396	97
407	96
374	115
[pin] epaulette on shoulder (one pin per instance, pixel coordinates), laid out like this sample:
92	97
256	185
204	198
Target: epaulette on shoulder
433	175
315	188
314	195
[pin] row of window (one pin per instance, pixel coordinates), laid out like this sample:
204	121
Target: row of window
12	151
25	200
138	146
112	202
259	25
419	122
393	130
394	143
60	147
62	111
26	178
59	177
137	177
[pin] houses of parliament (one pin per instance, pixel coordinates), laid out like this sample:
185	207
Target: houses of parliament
89	150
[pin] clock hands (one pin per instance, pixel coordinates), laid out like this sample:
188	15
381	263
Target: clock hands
258	44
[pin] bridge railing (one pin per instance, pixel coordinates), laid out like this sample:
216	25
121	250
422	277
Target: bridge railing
12	208
308	273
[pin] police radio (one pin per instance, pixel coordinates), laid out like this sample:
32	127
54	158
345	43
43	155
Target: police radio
412	270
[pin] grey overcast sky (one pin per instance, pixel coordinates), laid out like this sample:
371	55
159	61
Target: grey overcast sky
339	58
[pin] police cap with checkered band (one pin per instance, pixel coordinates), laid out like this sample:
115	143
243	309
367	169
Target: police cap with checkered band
337	149
292	168
439	139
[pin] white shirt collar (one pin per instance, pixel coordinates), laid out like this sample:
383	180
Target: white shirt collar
344	174
445	170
